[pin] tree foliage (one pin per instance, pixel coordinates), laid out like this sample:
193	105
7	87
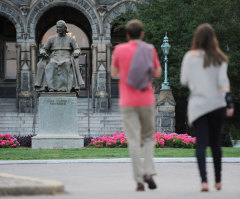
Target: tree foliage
179	18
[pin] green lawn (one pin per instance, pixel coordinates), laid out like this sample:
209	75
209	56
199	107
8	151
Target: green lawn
33	154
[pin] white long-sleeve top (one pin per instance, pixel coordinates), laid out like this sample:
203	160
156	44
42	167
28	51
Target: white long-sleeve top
205	84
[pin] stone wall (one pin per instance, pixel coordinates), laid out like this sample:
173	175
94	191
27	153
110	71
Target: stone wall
99	124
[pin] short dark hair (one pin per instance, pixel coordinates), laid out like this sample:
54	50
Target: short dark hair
134	28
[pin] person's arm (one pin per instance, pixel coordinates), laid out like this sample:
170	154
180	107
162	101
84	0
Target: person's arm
184	71
114	71
224	84
223	80
157	71
230	105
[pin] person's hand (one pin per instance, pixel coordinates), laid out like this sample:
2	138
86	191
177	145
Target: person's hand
229	112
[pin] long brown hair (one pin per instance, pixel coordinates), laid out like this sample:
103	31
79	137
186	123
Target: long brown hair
205	39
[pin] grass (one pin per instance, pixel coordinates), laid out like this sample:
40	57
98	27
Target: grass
40	154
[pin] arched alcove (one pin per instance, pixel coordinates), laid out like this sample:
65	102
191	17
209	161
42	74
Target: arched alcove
74	31
72	11
117	36
68	14
78	26
8	58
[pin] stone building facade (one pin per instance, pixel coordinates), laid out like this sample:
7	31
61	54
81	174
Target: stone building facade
25	22
23	25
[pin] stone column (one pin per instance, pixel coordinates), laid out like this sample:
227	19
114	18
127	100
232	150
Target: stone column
18	47
33	62
94	73
165	115
101	91
109	52
25	81
33	66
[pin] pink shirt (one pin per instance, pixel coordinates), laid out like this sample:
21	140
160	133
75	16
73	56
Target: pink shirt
122	57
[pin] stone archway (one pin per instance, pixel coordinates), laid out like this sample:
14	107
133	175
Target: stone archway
11	13
114	13
110	18
8	82
40	7
72	17
69	14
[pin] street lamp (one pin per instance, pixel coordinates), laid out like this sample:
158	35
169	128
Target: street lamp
165	48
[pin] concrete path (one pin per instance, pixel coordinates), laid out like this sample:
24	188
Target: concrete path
114	160
20	185
114	180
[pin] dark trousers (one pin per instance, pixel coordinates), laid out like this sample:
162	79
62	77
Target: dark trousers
208	131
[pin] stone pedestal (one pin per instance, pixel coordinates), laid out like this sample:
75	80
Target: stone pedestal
58	126
166	111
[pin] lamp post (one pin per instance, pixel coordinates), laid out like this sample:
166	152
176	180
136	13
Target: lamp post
165	104
165	48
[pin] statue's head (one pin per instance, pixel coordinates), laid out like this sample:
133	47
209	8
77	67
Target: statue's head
61	27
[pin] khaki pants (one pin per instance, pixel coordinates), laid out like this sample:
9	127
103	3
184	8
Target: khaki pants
139	124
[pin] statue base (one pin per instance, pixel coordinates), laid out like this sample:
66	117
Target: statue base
58	142
58	126
166	111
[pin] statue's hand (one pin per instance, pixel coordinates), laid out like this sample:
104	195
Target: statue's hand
44	54
76	53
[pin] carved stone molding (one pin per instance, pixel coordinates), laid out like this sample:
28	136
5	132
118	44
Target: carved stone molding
15	17
41	6
24	9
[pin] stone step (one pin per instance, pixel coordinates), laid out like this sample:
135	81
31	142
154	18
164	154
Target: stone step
118	121
6	107
8	110
9	105
10	130
7	100
103	116
16	123
10	122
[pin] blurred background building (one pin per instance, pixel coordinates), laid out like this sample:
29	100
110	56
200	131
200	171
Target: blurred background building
25	26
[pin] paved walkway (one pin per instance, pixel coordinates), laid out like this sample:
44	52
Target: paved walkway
21	185
113	160
114	180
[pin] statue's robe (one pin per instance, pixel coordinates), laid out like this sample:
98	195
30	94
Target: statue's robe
60	72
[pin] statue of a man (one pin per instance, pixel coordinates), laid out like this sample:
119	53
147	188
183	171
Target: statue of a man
58	70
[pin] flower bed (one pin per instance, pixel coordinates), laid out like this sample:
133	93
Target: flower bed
161	140
174	140
117	140
7	141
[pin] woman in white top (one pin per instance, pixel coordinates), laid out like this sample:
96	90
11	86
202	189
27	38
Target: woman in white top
204	72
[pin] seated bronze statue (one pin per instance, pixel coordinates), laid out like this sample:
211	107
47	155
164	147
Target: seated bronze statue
58	69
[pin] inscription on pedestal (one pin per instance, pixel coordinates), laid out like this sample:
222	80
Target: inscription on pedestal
58	116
